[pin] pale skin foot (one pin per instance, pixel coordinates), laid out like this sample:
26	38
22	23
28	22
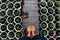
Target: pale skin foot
33	31
29	31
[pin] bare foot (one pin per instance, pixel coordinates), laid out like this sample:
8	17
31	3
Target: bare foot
29	31
33	31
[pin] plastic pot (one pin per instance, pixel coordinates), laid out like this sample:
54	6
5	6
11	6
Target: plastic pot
10	19
17	12
9	12
43	25
44	17
2	13
2	20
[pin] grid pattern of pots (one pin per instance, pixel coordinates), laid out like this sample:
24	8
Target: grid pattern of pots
49	11
10	19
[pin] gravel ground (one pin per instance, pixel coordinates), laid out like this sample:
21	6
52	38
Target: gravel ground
31	7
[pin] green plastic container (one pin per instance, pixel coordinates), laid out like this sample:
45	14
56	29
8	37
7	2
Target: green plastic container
50	10
10	19
51	25
2	13
57	18
43	4
3	35
57	4
50	18
17	5
18	27
44	17
43	10
44	32
58	32
18	34
2	20
18	19
10	26
3	27
43	25
3	6
10	5
17	12
9	12
57	25
57	11
50	4
51	32
10	34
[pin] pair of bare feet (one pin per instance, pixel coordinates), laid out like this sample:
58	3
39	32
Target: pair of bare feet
31	31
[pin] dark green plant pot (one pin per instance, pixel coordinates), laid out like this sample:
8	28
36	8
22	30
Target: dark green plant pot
18	20
50	4
18	27
11	35
43	4
3	6
2	13
58	32
3	35
43	10
17	12
44	32
57	4
57	18
9	12
51	25
57	11
18	34
10	26
2	20
43	25
3	27
10	19
51	32
17	5
58	25
50	18
10	5
44	17
50	10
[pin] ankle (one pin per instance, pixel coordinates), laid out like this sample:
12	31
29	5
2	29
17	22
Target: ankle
33	34
28	34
